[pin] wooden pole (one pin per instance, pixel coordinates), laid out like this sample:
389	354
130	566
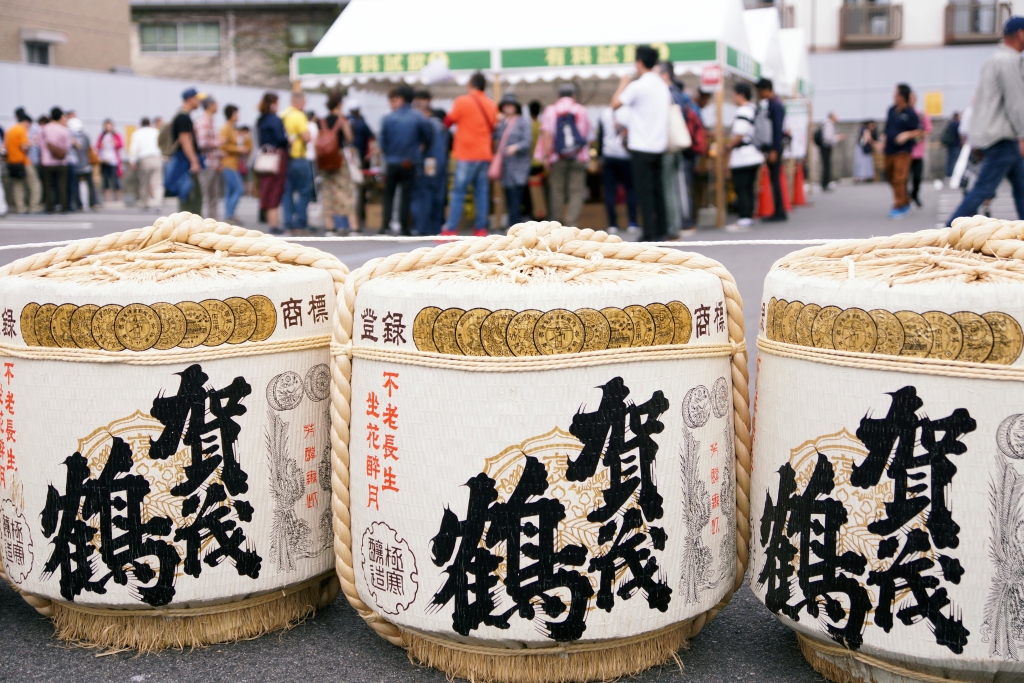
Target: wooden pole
720	155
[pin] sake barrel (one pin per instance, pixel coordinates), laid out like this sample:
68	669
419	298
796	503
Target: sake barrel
889	454
166	433
542	459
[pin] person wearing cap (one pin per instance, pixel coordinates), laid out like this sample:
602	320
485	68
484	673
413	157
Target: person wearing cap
564	150
181	176
514	136
362	139
208	141
997	123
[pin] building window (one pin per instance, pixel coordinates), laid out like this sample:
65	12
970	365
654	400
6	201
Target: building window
305	35
37	53
204	37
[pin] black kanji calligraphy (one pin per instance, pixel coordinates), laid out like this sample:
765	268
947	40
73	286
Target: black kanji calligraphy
393	328
317	308
291	311
701	320
369	324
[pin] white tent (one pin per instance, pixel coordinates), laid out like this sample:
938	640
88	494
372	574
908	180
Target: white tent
763	29
794	58
528	40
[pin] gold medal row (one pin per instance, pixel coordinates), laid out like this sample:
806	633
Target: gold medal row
482	332
987	338
139	327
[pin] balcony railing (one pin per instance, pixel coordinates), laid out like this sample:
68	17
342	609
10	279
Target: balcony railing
976	22
864	25
786	19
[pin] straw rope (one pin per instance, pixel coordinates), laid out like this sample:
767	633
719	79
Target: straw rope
815	652
199	353
207	234
557	240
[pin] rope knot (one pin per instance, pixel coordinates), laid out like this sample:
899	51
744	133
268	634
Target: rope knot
974	233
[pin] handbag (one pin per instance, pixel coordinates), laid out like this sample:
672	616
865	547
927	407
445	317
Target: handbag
678	134
355	170
494	170
268	161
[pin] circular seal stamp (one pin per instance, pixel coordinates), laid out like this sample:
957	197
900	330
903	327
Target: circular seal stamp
81	326
137	327
643	325
388	568
103	327
16	547
789	319
197	324
467	332
917	334
559	331
519	333
720	397
682	322
172	325
978	337
620	328
854	330
266	317
664	325
27	323
245	319
804	322
222	322
890	332
60	326
697	406
492	332
947	337
1010	437
42	324
318	382
596	330
821	328
444	331
423	328
284	391
1007	338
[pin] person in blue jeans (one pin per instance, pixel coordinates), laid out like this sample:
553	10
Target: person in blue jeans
997	123
404	135
232	151
476	117
430	189
298	186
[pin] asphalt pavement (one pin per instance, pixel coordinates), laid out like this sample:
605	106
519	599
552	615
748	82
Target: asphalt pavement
744	643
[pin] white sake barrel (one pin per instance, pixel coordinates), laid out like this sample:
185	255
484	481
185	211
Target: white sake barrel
542	452
886	502
166	433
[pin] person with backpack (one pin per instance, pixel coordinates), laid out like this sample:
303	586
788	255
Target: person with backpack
404	134
564	149
177	140
232	151
476	116
769	135
744	157
337	196
55	143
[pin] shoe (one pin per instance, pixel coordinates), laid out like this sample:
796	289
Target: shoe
634	230
481	232
775	219
918	202
449	233
899	214
613	230
736	227
688	232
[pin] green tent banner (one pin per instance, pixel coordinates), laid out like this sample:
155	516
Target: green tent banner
309	65
742	62
603	55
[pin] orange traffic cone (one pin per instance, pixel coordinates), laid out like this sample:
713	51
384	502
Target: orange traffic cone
799	198
785	190
765	203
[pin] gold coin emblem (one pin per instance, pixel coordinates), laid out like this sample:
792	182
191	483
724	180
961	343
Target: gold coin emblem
890	332
804	322
423	328
266	317
683	322
597	331
854	330
559	331
42	325
60	326
519	334
1007	337
245	319
947	337
103	328
28	324
664	326
789	318
172	325
197	323
444	331
769	319
643	325
492	332
621	328
822	327
81	326
467	332
780	311
222	321
978	337
917	334
137	327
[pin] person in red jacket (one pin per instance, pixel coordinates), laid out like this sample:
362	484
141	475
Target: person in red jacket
475	116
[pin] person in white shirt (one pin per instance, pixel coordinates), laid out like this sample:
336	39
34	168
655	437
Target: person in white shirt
615	167
648	100
744	157
146	161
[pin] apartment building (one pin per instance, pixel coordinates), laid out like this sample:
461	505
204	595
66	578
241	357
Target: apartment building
87	34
